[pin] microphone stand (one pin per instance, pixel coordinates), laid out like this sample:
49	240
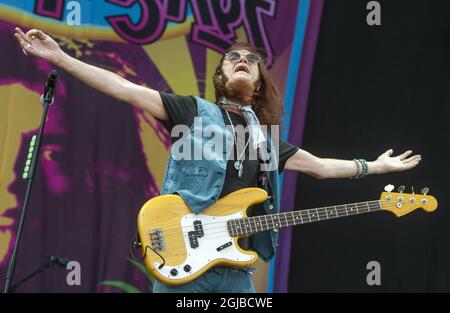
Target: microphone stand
29	171
51	261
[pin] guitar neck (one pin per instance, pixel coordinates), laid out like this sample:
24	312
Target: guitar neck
252	225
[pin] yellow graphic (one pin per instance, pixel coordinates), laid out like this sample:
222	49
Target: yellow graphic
173	60
155	152
16	99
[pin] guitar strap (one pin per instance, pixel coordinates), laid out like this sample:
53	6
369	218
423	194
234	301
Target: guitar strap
264	181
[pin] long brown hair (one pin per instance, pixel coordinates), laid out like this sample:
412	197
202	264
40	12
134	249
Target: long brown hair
267	102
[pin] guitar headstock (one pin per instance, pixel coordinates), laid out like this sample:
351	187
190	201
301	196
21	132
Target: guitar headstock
401	203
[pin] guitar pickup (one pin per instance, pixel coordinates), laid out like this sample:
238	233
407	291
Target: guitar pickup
224	246
193	239
198	227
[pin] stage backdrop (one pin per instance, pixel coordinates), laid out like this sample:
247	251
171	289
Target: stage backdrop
102	159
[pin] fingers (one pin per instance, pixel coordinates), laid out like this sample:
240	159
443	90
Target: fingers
35	33
26	40
389	152
409	165
26	47
405	154
414	158
22	35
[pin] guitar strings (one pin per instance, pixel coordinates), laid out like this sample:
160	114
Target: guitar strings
304	210
311	218
223	228
340	208
221	231
314	217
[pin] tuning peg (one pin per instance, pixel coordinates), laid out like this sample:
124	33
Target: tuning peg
401	188
389	188
425	190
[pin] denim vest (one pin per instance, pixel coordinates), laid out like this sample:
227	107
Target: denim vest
199	181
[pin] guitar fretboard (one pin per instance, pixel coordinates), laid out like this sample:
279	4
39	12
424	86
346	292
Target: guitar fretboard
252	225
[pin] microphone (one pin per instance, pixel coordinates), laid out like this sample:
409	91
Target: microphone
59	261
50	88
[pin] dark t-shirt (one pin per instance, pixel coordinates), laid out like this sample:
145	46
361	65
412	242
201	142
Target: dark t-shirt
183	109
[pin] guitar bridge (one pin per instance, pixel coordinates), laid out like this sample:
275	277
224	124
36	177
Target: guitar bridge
157	240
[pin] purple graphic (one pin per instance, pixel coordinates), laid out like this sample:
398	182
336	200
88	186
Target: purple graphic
217	21
50	8
151	23
176	10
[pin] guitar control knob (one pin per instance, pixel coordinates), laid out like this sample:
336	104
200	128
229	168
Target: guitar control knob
187	268
173	272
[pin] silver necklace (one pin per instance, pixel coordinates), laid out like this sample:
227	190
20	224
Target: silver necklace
239	163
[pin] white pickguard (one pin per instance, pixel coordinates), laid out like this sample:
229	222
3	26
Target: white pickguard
215	235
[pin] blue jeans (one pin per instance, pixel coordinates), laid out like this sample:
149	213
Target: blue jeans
220	279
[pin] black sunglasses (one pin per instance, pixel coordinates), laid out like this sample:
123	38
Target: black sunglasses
234	56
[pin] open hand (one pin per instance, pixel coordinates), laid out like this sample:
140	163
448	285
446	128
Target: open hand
388	163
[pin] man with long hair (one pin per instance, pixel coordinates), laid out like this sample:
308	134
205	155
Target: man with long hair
246	98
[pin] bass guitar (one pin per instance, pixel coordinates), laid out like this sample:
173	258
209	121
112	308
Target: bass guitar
179	246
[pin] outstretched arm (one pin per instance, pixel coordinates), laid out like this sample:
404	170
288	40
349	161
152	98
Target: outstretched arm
36	43
322	168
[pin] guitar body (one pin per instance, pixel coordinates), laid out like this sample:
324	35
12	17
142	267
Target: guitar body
189	244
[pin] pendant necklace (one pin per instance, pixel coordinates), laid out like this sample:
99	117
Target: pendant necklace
239	163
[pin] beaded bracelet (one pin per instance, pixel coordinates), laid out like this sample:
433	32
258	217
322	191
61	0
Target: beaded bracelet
362	168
